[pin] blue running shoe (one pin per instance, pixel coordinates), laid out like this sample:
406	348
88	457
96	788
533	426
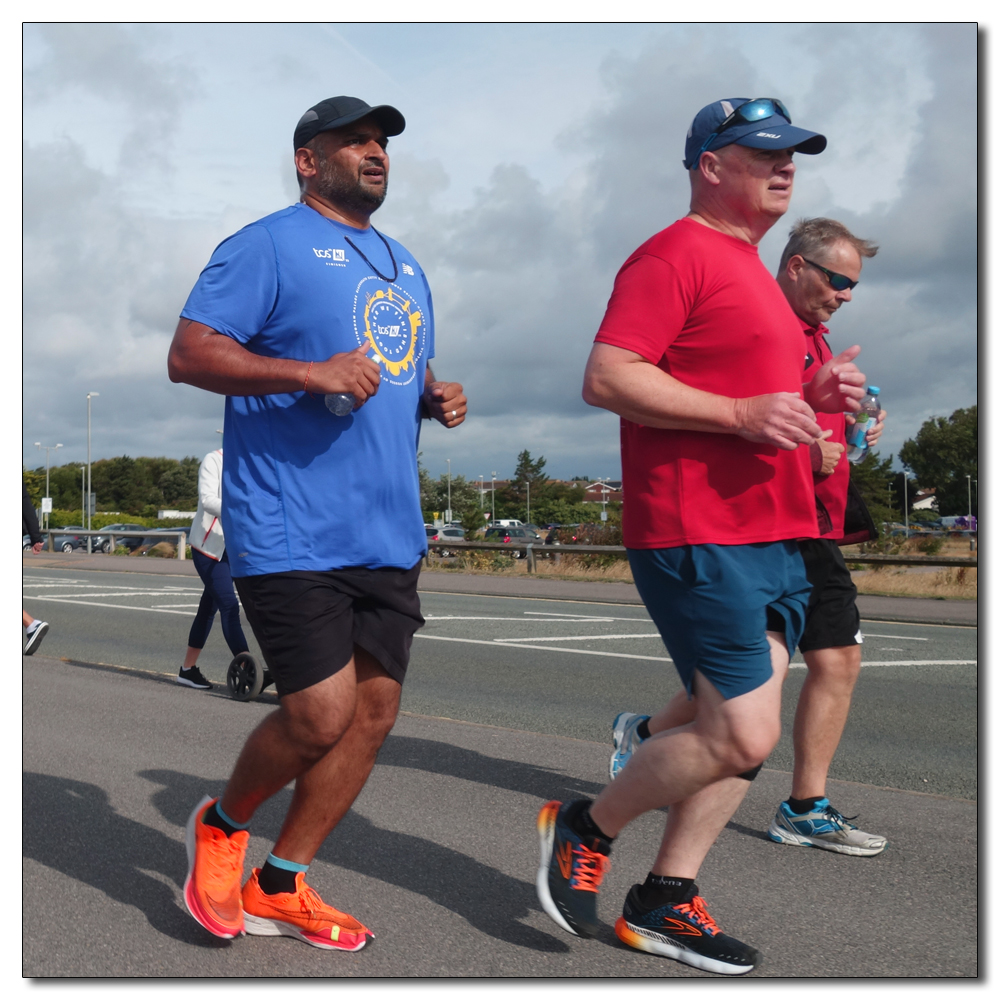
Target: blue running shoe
570	871
826	828
684	931
625	739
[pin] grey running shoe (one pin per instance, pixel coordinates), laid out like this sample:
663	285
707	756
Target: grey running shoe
194	678
826	828
625	739
33	637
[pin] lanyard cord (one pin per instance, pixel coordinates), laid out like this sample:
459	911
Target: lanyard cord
395	266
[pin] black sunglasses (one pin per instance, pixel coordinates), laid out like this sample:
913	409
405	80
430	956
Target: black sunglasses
746	114
838	282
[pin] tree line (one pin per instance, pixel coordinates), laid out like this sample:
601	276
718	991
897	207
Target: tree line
943	454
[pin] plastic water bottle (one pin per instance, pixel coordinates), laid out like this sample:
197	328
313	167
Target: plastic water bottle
864	420
339	403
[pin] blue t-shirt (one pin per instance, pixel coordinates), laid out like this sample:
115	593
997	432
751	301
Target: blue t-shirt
303	489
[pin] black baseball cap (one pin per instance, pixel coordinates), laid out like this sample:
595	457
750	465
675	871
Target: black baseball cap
337	111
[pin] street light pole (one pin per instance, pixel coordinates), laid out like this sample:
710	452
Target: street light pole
48	448
527	515
493	496
968	480
906	506
89	481
482	490
448	460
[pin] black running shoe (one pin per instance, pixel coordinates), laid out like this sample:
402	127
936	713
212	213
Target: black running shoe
570	872
684	931
33	637
194	678
268	680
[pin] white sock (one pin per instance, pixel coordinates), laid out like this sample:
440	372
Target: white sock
35	622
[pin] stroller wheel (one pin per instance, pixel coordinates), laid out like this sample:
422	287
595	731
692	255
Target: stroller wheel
244	678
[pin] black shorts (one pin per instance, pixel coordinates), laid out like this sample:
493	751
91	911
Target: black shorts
308	623
832	618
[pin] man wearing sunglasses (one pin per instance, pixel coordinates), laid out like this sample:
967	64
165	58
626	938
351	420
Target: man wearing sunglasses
820	266
701	356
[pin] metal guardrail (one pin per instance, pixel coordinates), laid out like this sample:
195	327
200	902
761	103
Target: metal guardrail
532	551
167	534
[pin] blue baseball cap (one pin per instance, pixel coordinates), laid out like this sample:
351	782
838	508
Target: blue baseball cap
770	127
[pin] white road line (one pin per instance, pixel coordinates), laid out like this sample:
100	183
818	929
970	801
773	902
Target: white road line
175	606
905	663
496	618
99	604
567	614
548	649
878	635
583	638
129	593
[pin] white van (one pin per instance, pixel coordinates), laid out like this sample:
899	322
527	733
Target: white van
507	524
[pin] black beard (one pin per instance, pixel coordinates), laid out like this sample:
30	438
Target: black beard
351	193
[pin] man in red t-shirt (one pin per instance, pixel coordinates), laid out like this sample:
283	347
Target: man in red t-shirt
701	356
820	265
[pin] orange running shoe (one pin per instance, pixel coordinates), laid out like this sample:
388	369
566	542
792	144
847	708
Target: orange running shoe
215	870
301	914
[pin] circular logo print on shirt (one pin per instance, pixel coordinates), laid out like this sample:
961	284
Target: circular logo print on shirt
392	324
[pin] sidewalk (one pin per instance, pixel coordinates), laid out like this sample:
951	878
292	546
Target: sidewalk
873	608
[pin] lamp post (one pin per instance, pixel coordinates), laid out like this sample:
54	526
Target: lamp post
968	480
448	460
83	490
493	496
48	448
527	515
89	481
906	506
482	490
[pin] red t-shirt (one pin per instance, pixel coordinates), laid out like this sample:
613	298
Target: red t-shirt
831	490
701	306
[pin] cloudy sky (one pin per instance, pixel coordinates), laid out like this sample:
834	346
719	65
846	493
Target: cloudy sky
535	159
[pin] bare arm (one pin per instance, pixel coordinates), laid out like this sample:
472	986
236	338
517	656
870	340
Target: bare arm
209	360
627	384
444	401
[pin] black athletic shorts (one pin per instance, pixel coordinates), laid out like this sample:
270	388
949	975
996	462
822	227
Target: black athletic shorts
832	617
308	623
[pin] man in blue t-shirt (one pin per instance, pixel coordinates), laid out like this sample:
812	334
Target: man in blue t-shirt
321	512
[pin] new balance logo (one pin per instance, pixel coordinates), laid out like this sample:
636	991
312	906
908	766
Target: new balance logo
407	269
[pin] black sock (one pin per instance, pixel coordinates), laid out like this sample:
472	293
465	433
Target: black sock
803	805
580	822
273	879
642	730
212	818
659	890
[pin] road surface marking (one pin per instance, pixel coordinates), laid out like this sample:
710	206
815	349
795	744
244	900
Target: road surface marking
582	638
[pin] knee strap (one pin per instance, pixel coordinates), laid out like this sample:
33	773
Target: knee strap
752	773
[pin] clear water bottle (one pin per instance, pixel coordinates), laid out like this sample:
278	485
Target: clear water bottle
339	403
864	420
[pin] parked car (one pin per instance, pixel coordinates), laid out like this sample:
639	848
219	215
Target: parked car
102	542
67	543
443	534
516	535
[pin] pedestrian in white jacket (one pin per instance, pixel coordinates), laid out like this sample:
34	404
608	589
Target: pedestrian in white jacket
208	550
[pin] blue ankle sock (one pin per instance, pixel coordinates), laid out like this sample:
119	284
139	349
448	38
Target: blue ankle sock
278	875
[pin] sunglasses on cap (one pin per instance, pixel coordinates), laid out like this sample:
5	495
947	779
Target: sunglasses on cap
838	282
746	114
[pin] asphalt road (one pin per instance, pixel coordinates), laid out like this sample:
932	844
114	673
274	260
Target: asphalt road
508	702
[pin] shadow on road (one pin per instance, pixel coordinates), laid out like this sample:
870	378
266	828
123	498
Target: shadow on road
69	826
489	900
456	762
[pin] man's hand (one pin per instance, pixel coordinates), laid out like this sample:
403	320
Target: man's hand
876	432
779	418
445	402
825	455
352	371
37	547
838	385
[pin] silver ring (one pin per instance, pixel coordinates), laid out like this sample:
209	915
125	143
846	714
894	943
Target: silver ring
454	413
